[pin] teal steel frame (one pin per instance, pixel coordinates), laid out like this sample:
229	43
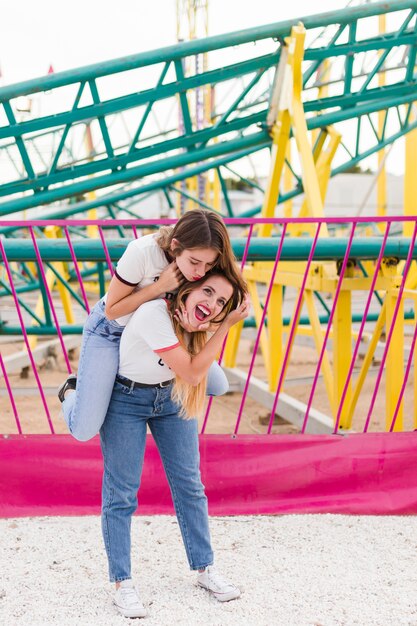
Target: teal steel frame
150	163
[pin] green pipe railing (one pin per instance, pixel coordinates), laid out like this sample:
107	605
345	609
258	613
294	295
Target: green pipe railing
250	322
260	249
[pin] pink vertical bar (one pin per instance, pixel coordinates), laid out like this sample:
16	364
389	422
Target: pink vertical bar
292	331
9	391
329	323
49	296
261	326
106	251
77	271
135	232
391	330
25	336
362	326
242	265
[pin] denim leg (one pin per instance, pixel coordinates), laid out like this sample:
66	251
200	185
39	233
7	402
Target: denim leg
217	383
177	441
85	409
123	440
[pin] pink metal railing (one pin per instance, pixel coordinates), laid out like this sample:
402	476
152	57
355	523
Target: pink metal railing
25	336
49	296
390	332
362	327
261	326
329	324
291	331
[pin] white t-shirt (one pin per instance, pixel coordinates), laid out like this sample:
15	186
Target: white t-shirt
140	265
148	334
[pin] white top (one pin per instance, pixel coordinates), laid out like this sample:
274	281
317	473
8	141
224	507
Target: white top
148	334
140	265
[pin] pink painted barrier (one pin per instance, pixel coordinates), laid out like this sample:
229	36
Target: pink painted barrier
372	474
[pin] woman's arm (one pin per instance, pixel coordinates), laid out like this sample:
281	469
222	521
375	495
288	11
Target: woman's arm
193	368
121	299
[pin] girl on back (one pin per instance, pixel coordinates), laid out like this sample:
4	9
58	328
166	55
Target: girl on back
152	266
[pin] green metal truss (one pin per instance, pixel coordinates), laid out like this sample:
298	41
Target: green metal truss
151	85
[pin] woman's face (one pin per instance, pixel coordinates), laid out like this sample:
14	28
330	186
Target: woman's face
207	301
194	263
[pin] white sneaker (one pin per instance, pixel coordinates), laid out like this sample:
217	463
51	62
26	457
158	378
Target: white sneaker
127	600
221	588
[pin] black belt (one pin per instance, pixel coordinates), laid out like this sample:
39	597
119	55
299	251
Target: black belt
133	385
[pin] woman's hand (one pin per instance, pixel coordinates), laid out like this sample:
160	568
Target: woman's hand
239	314
170	279
182	316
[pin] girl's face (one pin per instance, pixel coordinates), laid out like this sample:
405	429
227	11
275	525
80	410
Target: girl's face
194	263
207	301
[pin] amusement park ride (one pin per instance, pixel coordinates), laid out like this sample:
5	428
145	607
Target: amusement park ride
313	97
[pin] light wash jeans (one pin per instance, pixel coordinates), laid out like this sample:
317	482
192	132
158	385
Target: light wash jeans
123	440
85	409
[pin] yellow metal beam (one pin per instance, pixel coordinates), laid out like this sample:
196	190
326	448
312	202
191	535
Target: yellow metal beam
318	340
367	362
395	361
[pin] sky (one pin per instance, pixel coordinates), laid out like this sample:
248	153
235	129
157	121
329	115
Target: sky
66	35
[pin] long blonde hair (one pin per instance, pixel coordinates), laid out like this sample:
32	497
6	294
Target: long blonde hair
191	398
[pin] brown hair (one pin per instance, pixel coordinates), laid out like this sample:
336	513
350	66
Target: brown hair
200	228
191	398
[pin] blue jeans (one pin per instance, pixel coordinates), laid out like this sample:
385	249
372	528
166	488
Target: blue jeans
123	440
84	411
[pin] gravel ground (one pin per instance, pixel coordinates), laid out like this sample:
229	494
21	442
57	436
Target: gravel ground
295	570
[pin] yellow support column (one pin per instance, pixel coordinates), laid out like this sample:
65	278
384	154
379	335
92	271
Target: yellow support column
308	169
280	135
342	348
395	361
410	195
415	378
410	178
275	334
288	204
279	121
318	340
323	157
257	309
367	362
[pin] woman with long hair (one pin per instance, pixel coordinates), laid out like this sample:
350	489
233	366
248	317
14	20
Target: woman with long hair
161	385
152	267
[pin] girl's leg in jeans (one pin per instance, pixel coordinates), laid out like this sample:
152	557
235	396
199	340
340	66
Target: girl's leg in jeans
217	383
123	440
177	441
85	409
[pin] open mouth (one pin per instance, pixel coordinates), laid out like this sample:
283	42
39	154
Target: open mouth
201	312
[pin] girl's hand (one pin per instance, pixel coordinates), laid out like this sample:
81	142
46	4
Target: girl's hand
240	313
170	279
182	316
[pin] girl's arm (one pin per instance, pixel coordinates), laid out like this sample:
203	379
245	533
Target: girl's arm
122	299
192	369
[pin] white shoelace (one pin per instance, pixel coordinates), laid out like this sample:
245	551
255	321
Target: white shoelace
130	596
217	579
